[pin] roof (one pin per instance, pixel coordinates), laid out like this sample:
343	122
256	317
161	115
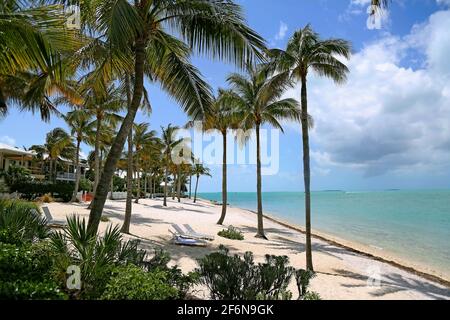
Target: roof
4	148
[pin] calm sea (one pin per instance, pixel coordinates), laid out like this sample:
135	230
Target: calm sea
413	225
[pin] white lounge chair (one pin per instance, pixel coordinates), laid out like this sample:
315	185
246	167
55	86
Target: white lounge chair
188	235
52	222
202	236
181	241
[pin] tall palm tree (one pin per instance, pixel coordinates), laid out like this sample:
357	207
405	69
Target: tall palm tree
81	128
157	37
306	52
33	62
168	142
257	97
221	117
58	144
143	141
199	170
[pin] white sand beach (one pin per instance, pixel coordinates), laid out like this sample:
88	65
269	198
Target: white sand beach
342	274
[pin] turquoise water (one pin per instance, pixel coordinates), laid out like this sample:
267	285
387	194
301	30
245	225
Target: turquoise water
413	225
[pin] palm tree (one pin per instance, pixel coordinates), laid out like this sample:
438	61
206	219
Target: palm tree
257	98
33	62
145	34
221	117
168	142
306	52
143	141
58	143
80	125
199	170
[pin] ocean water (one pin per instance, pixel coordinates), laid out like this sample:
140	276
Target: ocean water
412	225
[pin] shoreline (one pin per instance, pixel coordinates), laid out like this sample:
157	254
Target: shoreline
355	247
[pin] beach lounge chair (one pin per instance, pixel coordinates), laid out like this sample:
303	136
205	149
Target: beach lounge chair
52	222
181	241
201	236
186	234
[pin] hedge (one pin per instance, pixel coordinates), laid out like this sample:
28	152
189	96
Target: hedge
31	190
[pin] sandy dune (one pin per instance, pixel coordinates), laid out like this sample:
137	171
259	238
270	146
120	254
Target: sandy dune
342	274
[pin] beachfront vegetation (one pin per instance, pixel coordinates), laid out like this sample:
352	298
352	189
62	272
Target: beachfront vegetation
305	53
231	233
199	170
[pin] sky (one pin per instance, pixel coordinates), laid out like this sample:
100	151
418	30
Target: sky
388	127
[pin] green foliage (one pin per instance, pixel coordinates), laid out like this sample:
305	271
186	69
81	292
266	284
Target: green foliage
85	185
133	283
31	190
15	174
231	233
119	184
96	256
25	272
235	278
20	221
303	278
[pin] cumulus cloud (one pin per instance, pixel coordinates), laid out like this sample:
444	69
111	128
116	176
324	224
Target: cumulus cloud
8	140
281	31
388	117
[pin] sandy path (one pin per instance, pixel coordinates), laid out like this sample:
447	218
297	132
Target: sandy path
342	274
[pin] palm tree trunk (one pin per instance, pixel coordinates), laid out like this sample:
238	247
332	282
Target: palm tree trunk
306	174
138	177
179	185
97	154
260	233
50	175
190	186
111	196
166	173
196	187
224	180
129	201
119	141
174	186
78	174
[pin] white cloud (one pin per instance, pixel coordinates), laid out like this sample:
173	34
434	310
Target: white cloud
8	140
281	31
388	117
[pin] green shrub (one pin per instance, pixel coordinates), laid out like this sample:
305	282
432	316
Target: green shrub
31	290
15	174
235	278
133	283
96	256
231	233
303	278
20	221
85	185
31	190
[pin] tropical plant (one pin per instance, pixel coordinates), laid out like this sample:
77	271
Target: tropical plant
81	128
96	256
15	174
257	98
231	233
199	170
303	278
235	278
21	222
58	144
145	34
35	45
306	52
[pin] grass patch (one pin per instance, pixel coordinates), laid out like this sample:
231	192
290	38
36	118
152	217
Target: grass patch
231	233
104	219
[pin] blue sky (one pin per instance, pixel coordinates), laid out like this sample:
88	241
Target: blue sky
387	128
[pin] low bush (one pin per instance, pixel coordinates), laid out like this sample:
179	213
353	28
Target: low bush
31	190
45	289
303	278
235	278
133	283
231	233
20	221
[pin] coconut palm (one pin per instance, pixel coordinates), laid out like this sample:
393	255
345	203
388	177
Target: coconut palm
81	128
199	170
36	46
157	37
305	53
257	98
168	142
58	144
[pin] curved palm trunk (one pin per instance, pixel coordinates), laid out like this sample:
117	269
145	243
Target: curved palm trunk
111	196
78	175
179	185
306	174
196	187
260	232
119	142
224	180
190	186
97	158
175	180
129	201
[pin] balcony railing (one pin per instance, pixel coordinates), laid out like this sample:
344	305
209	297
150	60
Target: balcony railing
65	176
